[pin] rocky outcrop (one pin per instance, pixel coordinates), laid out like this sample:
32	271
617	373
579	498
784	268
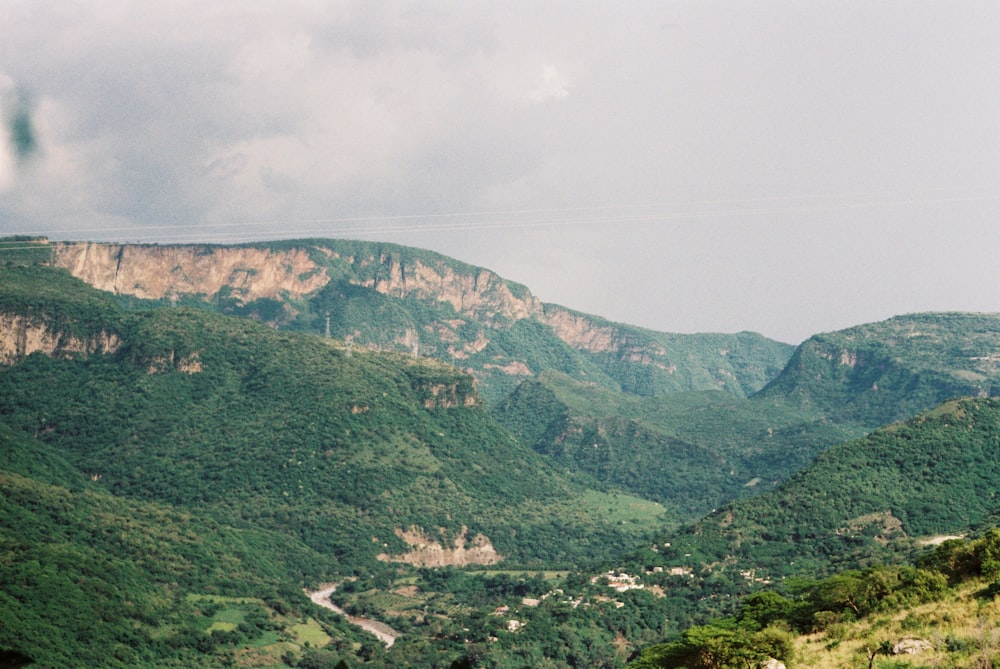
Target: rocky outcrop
308	278
580	332
249	273
447	396
189	364
157	272
20	336
911	646
429	553
479	293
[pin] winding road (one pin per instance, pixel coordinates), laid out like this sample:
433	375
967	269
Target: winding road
383	632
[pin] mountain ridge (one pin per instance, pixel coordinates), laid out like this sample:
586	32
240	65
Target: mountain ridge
423	302
878	373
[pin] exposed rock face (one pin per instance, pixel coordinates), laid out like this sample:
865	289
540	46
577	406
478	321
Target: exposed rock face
429	553
21	336
447	396
579	331
189	364
481	294
886	526
911	646
486	306
156	272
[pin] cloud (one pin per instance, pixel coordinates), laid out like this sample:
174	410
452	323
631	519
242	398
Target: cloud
550	84
232	120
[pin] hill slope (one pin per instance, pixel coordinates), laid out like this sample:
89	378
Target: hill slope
881	372
690	451
938	612
344	450
936	474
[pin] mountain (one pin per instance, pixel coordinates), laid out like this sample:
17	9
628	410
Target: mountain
91	579
691	451
395	298
694	451
882	495
173	476
355	453
882	372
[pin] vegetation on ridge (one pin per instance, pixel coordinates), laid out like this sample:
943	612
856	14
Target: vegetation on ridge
878	373
402	299
854	617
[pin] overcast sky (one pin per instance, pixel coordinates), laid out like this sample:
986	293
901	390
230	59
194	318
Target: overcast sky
785	167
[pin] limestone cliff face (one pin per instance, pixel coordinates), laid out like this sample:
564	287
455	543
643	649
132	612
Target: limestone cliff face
156	272
481	293
251	273
21	336
579	331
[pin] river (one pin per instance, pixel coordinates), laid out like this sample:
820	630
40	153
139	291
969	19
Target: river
383	632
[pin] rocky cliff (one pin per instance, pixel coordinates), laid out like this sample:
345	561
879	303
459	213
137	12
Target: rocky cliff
158	272
20	336
431	305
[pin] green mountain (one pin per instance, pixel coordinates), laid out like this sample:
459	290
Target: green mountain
882	372
394	298
346	449
875	497
692	452
177	475
854	518
171	476
90	579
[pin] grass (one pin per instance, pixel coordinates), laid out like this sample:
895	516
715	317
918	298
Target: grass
310	632
227	618
963	630
622	508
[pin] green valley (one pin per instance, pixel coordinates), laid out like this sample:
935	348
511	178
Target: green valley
194	437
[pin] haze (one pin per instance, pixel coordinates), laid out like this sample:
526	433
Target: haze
782	167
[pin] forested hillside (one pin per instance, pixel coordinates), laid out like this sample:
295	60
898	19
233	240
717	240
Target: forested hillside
691	451
285	430
827	548
881	372
170	447
876	497
938	612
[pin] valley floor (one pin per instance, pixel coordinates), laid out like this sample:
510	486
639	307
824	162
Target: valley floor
382	632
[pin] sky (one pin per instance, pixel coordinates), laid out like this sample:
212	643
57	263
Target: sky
784	167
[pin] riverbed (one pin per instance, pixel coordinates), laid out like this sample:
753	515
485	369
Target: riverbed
383	632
